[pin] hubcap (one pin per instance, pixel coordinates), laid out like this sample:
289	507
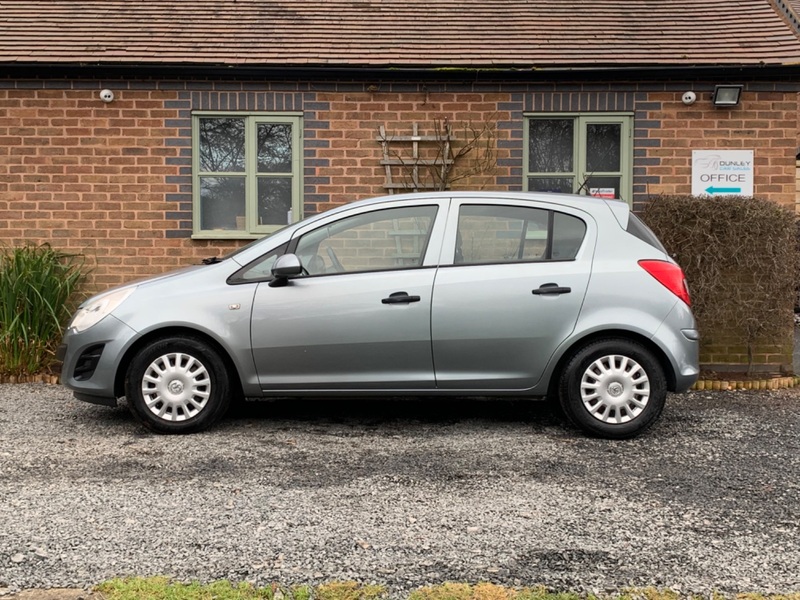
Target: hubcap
615	389
176	387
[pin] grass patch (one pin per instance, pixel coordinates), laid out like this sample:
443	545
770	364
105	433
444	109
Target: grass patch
348	590
161	588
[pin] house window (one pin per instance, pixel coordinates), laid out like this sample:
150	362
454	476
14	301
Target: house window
247	176
586	154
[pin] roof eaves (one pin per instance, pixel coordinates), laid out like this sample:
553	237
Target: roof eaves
330	72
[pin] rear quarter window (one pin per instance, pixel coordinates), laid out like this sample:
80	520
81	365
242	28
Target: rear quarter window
637	228
568	234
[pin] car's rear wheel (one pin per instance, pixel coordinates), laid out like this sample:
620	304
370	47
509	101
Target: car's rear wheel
177	385
613	388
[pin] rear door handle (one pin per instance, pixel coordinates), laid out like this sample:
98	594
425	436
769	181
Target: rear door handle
400	298
551	289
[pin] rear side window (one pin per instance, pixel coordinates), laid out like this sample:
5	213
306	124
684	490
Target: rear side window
637	228
499	234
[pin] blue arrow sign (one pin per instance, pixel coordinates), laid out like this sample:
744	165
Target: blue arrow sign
716	190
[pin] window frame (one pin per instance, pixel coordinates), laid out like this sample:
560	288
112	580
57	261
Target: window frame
252	119
580	120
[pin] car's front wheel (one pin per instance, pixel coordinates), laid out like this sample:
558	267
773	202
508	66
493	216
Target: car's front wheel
613	388
177	385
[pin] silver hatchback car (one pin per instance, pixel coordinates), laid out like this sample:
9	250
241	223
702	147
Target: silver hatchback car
441	294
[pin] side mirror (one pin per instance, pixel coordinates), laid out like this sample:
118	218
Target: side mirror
285	267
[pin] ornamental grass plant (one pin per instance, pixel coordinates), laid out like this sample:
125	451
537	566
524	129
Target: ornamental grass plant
38	285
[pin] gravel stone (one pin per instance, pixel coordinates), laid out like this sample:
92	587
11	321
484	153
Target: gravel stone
405	493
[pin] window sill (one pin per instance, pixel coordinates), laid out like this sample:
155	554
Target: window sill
227	235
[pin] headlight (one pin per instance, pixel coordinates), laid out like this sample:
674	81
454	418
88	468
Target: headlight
95	309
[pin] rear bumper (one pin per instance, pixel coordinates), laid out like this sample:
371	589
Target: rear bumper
680	342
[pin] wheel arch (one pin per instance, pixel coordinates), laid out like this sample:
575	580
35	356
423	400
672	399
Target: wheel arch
576	345
176	331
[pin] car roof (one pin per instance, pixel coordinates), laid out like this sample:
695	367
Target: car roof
589	203
566	199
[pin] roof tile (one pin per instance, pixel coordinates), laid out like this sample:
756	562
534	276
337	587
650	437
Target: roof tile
520	34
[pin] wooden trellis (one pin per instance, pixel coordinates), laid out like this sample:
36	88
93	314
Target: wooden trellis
401	157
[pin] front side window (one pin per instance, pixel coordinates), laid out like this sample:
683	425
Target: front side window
247	173
585	154
394	238
502	234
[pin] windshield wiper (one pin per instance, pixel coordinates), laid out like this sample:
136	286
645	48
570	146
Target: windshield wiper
211	261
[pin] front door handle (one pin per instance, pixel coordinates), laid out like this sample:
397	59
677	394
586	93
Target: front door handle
400	298
548	289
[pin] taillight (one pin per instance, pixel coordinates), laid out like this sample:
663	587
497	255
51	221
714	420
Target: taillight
670	276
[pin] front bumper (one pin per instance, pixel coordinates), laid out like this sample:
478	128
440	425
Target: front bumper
92	358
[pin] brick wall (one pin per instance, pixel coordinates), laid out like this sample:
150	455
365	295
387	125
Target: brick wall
667	131
114	180
350	152
797	187
93	178
724	351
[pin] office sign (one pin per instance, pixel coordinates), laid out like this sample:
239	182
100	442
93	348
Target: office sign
722	173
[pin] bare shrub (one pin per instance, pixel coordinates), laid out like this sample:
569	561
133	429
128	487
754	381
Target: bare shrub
740	257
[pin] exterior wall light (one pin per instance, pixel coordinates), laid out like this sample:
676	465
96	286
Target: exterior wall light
727	95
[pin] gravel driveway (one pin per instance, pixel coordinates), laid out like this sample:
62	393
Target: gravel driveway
404	493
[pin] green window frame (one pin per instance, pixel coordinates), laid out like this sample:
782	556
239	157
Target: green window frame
247	173
579	153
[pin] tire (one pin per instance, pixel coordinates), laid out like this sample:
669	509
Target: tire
613	388
177	385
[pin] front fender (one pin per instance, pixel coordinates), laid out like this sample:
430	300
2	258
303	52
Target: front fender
221	315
